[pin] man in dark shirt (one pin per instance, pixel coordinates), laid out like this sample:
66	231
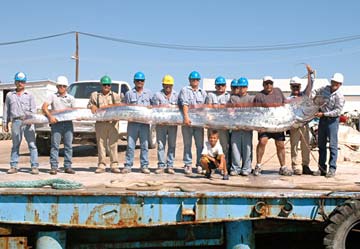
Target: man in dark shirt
271	96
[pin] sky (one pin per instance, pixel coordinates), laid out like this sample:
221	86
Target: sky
210	23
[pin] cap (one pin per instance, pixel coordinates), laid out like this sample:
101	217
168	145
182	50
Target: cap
338	77
268	78
62	80
295	81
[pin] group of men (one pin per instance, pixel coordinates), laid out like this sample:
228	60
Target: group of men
236	145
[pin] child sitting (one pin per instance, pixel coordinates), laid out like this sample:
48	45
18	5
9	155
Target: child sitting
212	155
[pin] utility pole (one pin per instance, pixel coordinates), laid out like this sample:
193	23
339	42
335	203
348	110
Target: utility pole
77	57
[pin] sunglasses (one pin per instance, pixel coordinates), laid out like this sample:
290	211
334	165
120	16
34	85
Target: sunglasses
63	86
106	85
139	80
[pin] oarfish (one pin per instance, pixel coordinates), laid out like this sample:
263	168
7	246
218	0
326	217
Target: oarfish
235	117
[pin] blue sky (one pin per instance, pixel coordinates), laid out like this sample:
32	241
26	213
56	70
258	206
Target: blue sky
202	23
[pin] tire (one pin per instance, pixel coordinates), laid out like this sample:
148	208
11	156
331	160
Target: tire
152	137
344	226
43	146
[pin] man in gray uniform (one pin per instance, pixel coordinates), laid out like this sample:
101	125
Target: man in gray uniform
241	140
18	103
141	96
191	95
221	97
167	96
59	101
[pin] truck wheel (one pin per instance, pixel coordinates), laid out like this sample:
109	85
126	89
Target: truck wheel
43	146
343	230
152	137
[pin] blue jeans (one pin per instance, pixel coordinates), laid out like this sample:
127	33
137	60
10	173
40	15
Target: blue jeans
241	151
163	133
65	130
328	129
198	133
135	131
17	132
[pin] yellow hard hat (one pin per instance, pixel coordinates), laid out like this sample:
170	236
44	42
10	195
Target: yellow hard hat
168	80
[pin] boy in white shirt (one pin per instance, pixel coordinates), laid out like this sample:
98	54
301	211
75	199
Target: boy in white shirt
212	155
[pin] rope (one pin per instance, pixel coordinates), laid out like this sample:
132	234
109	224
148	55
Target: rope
53	183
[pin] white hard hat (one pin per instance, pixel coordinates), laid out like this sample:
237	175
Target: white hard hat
338	77
268	78
295	81
62	80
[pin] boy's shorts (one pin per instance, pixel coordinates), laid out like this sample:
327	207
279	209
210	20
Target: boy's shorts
277	136
211	164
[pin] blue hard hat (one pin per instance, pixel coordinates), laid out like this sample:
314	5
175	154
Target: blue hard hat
139	76
220	81
20	76
243	82
194	75
234	82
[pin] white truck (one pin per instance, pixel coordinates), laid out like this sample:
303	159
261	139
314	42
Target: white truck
84	131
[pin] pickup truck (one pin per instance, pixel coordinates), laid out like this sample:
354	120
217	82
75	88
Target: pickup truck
84	131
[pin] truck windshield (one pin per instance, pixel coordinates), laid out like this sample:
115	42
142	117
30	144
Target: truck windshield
83	90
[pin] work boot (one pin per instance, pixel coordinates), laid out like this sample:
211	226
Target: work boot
145	171
330	174
34	171
100	170
53	171
126	170
115	170
12	170
159	171
69	171
306	170
319	172
170	171
297	171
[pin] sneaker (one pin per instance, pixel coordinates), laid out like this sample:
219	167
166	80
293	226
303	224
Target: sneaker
319	173
199	169
53	171
330	174
297	172
233	173
12	170
244	173
170	171
145	171
208	174
159	171
34	171
306	170
115	170
257	170
99	170
126	170
187	170
285	171
69	171
226	177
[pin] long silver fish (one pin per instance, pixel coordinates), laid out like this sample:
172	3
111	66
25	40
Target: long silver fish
259	118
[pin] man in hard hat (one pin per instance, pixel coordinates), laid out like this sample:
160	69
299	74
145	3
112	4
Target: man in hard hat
107	132
191	95
221	97
166	133
241	140
19	103
59	101
270	96
300	134
329	124
141	96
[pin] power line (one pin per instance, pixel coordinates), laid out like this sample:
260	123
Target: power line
275	47
36	39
